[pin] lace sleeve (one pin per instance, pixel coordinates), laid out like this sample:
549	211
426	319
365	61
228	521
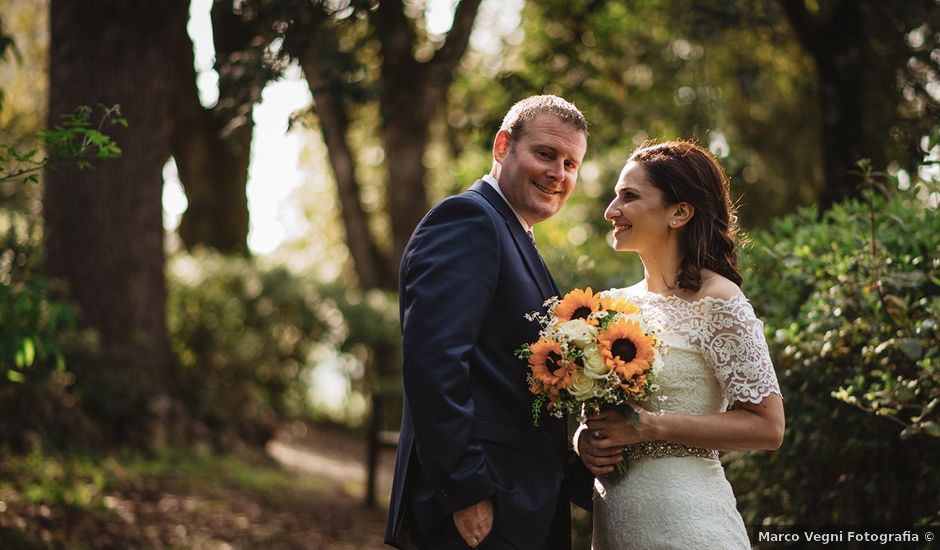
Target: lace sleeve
735	347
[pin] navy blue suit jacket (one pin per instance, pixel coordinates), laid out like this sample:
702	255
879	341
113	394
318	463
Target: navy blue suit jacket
469	275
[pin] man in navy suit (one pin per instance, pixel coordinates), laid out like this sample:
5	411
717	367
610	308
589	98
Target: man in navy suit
472	469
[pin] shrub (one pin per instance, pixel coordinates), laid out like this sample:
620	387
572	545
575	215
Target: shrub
35	325
367	332
36	322
241	336
851	303
247	339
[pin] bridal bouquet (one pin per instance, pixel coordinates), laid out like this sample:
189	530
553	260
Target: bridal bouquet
593	352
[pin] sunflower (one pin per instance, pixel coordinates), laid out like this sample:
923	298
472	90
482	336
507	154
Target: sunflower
620	305
549	367
627	350
637	386
578	304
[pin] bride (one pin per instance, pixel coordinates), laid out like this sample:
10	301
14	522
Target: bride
717	390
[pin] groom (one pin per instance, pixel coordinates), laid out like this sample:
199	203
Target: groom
472	470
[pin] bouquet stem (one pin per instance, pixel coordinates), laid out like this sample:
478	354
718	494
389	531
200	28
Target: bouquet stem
593	408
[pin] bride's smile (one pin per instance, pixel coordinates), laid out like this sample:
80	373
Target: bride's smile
621	227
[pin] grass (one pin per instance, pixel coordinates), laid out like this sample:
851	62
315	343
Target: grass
176	499
81	480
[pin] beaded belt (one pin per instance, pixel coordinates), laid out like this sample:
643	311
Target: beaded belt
661	449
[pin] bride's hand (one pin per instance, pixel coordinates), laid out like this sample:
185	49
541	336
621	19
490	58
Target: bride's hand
611	429
598	460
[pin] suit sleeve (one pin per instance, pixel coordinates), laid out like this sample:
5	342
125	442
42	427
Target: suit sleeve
580	480
449	276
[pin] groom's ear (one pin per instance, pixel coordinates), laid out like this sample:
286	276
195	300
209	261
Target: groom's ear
501	145
682	214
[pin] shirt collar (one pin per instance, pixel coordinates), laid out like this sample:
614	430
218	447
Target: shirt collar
495	185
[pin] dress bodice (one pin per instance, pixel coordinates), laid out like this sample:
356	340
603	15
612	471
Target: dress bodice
716	353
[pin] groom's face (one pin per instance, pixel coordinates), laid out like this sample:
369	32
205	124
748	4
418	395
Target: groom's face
539	170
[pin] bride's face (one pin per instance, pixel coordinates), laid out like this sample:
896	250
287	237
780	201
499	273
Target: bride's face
641	219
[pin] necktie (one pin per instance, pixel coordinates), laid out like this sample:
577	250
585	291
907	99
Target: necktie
531	236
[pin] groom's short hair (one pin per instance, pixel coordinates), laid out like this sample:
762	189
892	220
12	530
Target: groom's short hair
527	109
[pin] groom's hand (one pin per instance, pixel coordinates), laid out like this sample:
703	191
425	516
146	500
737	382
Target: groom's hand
599	455
475	522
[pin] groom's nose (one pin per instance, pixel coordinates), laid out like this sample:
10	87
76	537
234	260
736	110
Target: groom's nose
556	170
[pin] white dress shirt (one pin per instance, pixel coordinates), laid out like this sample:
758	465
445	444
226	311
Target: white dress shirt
495	185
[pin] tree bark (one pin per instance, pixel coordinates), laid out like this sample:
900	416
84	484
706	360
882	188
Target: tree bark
836	42
411	94
370	265
212	146
103	227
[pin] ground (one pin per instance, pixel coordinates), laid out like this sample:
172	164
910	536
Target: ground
310	496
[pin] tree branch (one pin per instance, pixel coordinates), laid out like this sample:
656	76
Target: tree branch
455	45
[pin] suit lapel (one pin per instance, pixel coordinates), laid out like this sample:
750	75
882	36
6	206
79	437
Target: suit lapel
524	244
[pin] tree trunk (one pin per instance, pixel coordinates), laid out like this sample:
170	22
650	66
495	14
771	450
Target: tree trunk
405	139
370	265
212	146
103	227
411	94
836	40
840	104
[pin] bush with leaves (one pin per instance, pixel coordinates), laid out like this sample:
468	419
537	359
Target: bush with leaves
366	327
851	304
241	336
30	317
34	316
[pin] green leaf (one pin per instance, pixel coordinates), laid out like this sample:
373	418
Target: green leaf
29	352
931	428
911	348
15	376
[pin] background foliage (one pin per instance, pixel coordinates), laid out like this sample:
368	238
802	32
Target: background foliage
850	303
247	337
242	337
850	296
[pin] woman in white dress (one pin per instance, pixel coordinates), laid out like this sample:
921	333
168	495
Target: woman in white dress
717	390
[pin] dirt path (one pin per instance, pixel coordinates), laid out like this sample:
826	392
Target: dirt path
318	504
332	452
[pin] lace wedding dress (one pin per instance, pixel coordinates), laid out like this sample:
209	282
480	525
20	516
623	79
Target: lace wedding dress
677	497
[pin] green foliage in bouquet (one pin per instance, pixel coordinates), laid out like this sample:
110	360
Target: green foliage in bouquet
242	336
851	303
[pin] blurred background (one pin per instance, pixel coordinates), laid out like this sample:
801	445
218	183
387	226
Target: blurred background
203	205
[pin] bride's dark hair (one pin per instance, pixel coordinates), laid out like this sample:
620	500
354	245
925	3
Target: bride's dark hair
684	172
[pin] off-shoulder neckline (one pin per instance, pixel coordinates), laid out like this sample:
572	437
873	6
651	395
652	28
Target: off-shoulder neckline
640	293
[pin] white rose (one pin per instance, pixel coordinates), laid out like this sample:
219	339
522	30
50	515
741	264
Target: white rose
657	364
582	386
594	366
578	332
